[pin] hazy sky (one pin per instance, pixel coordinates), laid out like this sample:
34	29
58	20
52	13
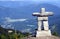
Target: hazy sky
38	1
55	2
29	0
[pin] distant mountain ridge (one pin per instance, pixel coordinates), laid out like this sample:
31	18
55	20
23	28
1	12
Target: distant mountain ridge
26	12
23	11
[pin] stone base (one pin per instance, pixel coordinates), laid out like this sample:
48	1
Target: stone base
43	33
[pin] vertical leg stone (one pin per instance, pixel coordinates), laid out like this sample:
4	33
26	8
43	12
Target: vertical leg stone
46	25
39	25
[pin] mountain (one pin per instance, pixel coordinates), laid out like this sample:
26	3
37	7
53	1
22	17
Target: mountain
26	12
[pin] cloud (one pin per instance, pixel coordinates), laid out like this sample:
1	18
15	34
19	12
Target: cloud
31	25
4	26
8	26
14	20
26	30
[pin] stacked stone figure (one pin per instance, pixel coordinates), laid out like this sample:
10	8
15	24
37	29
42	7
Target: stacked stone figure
43	20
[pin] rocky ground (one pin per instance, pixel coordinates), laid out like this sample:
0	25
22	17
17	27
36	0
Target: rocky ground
46	37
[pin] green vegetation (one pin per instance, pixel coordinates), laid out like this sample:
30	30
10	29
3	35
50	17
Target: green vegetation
3	36
55	33
54	30
12	35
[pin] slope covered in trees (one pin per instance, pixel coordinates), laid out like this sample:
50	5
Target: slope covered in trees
4	34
